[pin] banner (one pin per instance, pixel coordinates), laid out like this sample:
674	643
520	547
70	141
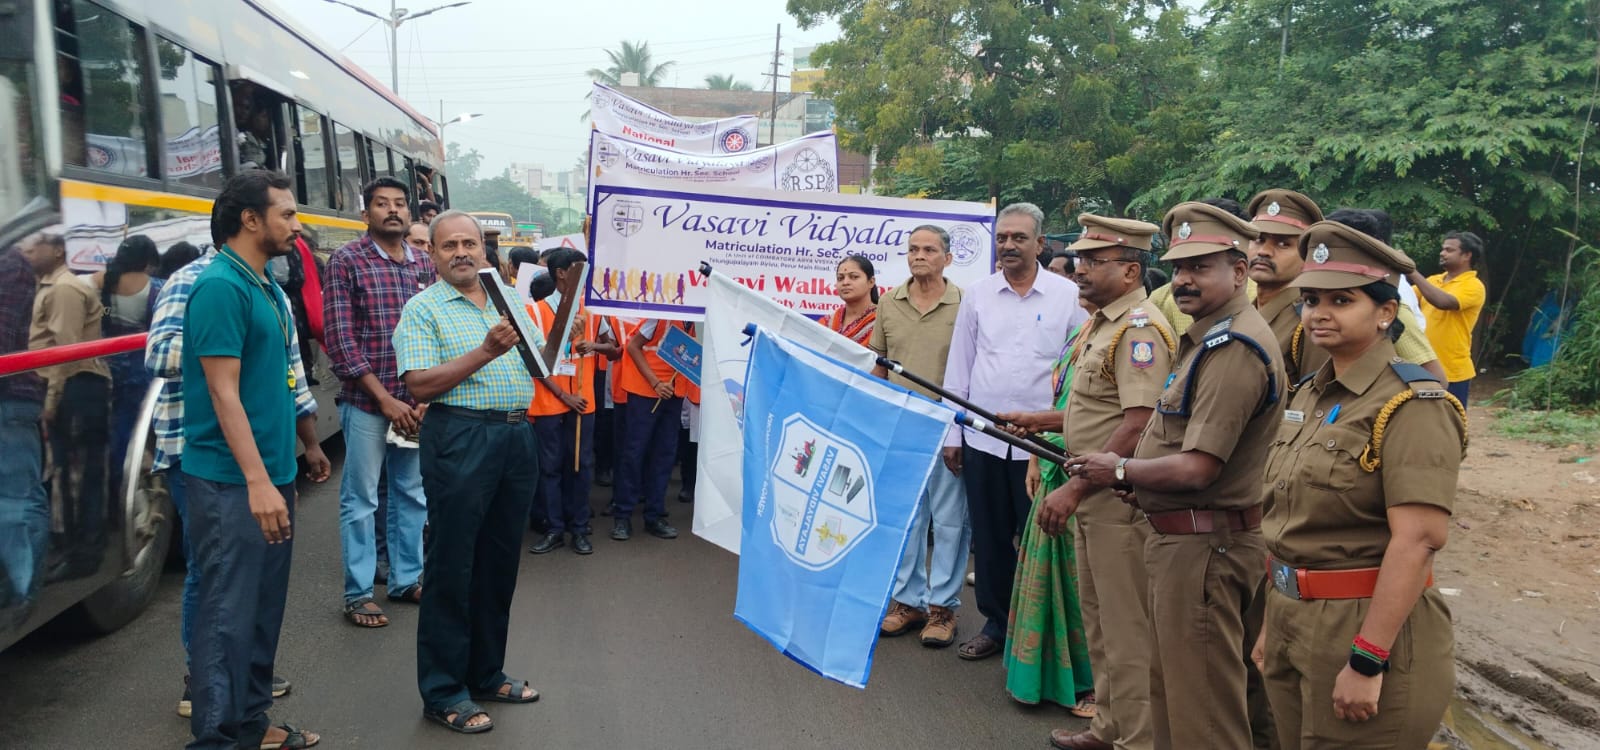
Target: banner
682	353
808	164
573	241
649	236
718	508
616	113
834	465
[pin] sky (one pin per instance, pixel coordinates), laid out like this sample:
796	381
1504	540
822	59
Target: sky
521	64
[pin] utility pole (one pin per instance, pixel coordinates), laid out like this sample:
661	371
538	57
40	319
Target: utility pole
772	121
1283	47
396	17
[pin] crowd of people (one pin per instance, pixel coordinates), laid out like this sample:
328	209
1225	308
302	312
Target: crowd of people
1233	547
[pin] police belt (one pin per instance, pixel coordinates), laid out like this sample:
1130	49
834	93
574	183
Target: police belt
517	416
1204	521
1306	585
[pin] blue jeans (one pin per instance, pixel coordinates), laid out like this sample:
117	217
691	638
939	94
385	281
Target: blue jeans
944	505
244	583
365	452
24	506
178	487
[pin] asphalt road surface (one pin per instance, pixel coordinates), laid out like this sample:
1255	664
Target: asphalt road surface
633	646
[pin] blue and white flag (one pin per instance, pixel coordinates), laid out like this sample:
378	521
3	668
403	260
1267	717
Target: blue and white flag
834	465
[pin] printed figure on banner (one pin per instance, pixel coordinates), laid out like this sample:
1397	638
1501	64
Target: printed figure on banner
682	353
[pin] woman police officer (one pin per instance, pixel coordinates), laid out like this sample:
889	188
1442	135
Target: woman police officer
1356	652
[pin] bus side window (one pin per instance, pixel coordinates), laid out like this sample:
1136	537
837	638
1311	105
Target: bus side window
100	65
312	174
350	177
189	116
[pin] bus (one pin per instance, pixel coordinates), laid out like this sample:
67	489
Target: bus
509	231
121	118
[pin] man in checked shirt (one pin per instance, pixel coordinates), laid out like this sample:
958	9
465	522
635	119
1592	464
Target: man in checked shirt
368	282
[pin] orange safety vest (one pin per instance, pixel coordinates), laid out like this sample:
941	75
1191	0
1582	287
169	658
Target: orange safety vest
545	403
616	331
634	382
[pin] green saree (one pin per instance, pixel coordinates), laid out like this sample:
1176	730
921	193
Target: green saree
1047	656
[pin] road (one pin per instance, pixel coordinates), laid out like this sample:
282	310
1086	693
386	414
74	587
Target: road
633	646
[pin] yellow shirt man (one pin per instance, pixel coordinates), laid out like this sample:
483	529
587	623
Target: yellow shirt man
1451	302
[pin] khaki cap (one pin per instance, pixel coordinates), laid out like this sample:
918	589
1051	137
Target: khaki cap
1284	212
1100	231
1194	229
1338	257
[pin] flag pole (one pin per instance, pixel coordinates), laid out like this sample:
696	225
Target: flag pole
897	368
1048	452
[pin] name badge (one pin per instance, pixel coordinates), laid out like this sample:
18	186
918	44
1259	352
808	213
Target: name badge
1296	417
567	368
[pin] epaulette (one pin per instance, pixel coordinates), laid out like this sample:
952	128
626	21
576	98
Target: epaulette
1215	337
1430	388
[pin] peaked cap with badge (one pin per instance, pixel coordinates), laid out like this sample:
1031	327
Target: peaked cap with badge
1284	212
1339	257
1194	229
1100	231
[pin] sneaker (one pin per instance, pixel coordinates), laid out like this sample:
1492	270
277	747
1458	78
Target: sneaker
280	686
660	529
185	704
941	628
621	529
901	619
972	579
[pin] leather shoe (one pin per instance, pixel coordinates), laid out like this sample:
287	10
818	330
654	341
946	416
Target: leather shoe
621	530
603	478
1066	739
547	542
581	545
660	529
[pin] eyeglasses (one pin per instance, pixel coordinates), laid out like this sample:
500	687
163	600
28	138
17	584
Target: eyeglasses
1089	263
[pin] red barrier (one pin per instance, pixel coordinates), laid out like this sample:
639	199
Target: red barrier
11	364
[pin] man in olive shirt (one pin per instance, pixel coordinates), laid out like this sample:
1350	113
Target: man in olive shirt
1119	365
76	414
1197	476
915	323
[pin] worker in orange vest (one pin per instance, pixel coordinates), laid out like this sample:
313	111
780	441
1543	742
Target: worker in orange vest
652	417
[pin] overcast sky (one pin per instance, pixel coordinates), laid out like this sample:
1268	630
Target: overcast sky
521	64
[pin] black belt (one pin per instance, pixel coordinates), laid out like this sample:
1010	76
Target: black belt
517	416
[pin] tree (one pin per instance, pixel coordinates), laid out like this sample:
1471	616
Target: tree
632	58
1059	103
499	193
726	83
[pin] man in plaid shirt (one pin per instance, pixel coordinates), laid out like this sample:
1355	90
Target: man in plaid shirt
368	282
163	357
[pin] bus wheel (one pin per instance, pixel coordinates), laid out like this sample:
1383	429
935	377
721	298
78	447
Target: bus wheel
121	600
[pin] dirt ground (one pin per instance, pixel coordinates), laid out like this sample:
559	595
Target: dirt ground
1521	573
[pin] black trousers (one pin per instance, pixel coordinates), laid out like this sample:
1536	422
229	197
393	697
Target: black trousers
606	445
79	438
479	476
997	501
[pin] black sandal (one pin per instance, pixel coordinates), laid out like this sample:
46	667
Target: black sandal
358	608
294	740
465	711
512	695
410	595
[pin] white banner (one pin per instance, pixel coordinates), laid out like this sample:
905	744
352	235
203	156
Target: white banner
719	487
616	113
650	236
809	164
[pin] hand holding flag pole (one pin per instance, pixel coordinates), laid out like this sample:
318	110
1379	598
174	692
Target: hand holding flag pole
1046	452
986	416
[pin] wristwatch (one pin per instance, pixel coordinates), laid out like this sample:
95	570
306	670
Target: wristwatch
1122	470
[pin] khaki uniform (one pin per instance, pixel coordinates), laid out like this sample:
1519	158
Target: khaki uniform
1111	535
1328	511
1302	358
1201	584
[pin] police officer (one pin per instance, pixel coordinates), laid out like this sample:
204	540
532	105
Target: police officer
1119	364
1351	662
1196	474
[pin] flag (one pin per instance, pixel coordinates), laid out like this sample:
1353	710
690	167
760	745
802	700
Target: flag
720	480
834	465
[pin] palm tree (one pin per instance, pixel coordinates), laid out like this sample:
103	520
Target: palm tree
726	83
632	58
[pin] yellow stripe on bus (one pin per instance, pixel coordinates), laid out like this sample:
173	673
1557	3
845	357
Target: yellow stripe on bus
137	197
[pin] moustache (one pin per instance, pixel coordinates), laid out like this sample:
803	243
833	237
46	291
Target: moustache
462	262
1264	263
1185	291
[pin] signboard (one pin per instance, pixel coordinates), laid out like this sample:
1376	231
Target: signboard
650	236
805	164
615	113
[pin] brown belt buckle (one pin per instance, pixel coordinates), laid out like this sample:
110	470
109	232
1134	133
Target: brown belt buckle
1286	580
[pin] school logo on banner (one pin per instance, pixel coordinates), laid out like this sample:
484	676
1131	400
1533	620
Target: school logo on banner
967	244
823	495
627	218
735	140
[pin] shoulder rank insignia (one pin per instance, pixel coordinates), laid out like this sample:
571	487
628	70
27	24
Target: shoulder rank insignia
1142	353
1138	318
1219	334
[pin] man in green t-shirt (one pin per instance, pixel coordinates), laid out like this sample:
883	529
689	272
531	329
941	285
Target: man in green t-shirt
239	463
